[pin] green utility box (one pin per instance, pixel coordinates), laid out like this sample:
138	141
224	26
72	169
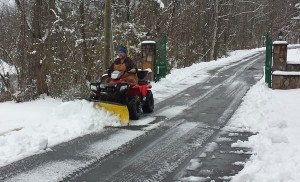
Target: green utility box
154	57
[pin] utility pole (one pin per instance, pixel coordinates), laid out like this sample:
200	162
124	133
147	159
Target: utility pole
215	31
108	52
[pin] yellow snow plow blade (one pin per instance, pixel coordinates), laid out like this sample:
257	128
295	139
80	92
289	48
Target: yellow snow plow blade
118	109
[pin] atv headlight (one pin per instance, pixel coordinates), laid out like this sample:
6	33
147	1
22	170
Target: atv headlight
93	87
102	86
124	87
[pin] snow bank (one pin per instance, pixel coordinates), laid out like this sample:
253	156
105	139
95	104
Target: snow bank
46	122
273	114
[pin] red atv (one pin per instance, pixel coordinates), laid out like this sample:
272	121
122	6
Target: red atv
123	98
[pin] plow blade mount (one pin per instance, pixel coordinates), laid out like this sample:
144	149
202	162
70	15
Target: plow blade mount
118	109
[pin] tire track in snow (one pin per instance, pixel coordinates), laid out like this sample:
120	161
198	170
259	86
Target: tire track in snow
165	154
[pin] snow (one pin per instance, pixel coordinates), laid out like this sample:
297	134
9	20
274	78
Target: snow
8	2
48	172
293	56
296	18
34	127
295	73
148	42
161	4
273	114
4	68
194	179
279	42
211	147
44	123
194	164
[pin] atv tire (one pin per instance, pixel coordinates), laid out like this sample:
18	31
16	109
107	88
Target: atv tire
149	103
134	108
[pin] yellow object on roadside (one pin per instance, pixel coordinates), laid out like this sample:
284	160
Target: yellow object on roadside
128	49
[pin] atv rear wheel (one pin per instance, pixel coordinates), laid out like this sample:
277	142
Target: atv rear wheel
149	103
134	108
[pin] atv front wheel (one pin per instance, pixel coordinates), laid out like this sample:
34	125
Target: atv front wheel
134	108
149	103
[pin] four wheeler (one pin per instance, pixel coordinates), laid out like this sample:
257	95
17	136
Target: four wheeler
123	98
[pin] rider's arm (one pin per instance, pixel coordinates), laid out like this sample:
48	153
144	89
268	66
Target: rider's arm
110	69
131	67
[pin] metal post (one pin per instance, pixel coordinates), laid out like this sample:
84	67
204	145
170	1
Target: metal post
268	61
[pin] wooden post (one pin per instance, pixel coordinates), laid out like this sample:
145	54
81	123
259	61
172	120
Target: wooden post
108	52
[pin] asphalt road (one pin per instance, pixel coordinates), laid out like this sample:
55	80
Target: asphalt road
184	138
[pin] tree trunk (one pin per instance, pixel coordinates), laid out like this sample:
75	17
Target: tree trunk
21	45
128	10
39	58
37	19
215	30
107	35
84	53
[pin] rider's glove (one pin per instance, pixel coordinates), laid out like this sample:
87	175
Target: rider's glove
109	72
133	70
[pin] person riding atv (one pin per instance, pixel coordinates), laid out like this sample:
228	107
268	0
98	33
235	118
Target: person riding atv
125	65
124	90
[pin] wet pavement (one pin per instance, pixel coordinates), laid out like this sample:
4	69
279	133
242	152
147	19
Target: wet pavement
219	160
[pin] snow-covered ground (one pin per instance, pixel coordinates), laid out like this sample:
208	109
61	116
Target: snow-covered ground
273	114
33	127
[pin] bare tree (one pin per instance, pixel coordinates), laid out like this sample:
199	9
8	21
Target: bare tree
55	46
